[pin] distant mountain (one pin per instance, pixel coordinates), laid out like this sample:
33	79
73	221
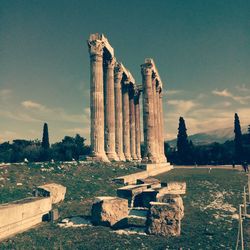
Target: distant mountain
218	135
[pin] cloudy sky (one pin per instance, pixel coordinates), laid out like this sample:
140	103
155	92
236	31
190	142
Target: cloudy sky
201	49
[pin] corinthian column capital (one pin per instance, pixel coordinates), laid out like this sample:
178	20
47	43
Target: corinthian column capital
95	48
118	71
146	69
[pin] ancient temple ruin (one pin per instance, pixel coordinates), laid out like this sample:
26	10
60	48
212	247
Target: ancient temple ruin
115	108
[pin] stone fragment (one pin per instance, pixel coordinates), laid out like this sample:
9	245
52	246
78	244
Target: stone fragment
172	188
155	183
109	211
55	191
164	219
173	199
131	193
21	215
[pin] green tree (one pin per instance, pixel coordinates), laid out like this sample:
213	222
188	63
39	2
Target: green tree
238	148
45	140
182	142
45	152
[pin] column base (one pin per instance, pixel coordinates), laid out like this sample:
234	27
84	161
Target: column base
99	157
134	157
128	157
121	156
112	156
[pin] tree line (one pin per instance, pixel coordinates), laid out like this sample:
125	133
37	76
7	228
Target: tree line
70	148
232	152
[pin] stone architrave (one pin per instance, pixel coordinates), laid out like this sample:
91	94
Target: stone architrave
126	126
148	114
137	125
96	100
132	123
118	113
110	110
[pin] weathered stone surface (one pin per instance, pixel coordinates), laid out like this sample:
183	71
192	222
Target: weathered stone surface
173	188
109	211
137	123
148	180
131	193
164	219
137	217
132	178
173	199
118	112
96	44
55	191
21	215
109	107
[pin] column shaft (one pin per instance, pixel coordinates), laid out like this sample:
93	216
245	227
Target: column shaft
148	115
132	123
126	126
109	110
137	126
118	114
161	129
96	101
156	127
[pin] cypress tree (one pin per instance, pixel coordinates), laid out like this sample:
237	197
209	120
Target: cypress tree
238	148
45	141
182	142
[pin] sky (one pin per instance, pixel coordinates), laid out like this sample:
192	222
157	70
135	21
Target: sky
201	49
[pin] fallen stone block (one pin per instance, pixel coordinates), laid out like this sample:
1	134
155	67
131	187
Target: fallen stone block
131	193
164	219
172	188
153	182
21	215
55	191
173	199
109	211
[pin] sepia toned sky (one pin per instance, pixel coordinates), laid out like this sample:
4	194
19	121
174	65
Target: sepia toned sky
201	49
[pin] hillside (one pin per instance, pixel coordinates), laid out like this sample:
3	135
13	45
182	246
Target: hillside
218	135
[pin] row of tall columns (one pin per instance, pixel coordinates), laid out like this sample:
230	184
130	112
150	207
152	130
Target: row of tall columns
115	114
152	117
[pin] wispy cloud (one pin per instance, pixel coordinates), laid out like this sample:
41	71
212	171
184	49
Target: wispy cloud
237	98
242	88
182	106
33	105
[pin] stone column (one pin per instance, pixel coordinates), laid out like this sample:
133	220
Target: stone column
126	126
109	96
137	125
96	100
156	127
148	114
132	123
161	129
118	114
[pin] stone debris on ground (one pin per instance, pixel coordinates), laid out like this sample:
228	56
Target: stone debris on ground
55	191
76	221
109	211
149	206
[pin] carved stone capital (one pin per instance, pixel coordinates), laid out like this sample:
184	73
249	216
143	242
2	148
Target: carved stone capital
146	69
118	71
110	63
95	48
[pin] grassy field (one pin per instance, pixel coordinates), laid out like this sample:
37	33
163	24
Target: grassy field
210	220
